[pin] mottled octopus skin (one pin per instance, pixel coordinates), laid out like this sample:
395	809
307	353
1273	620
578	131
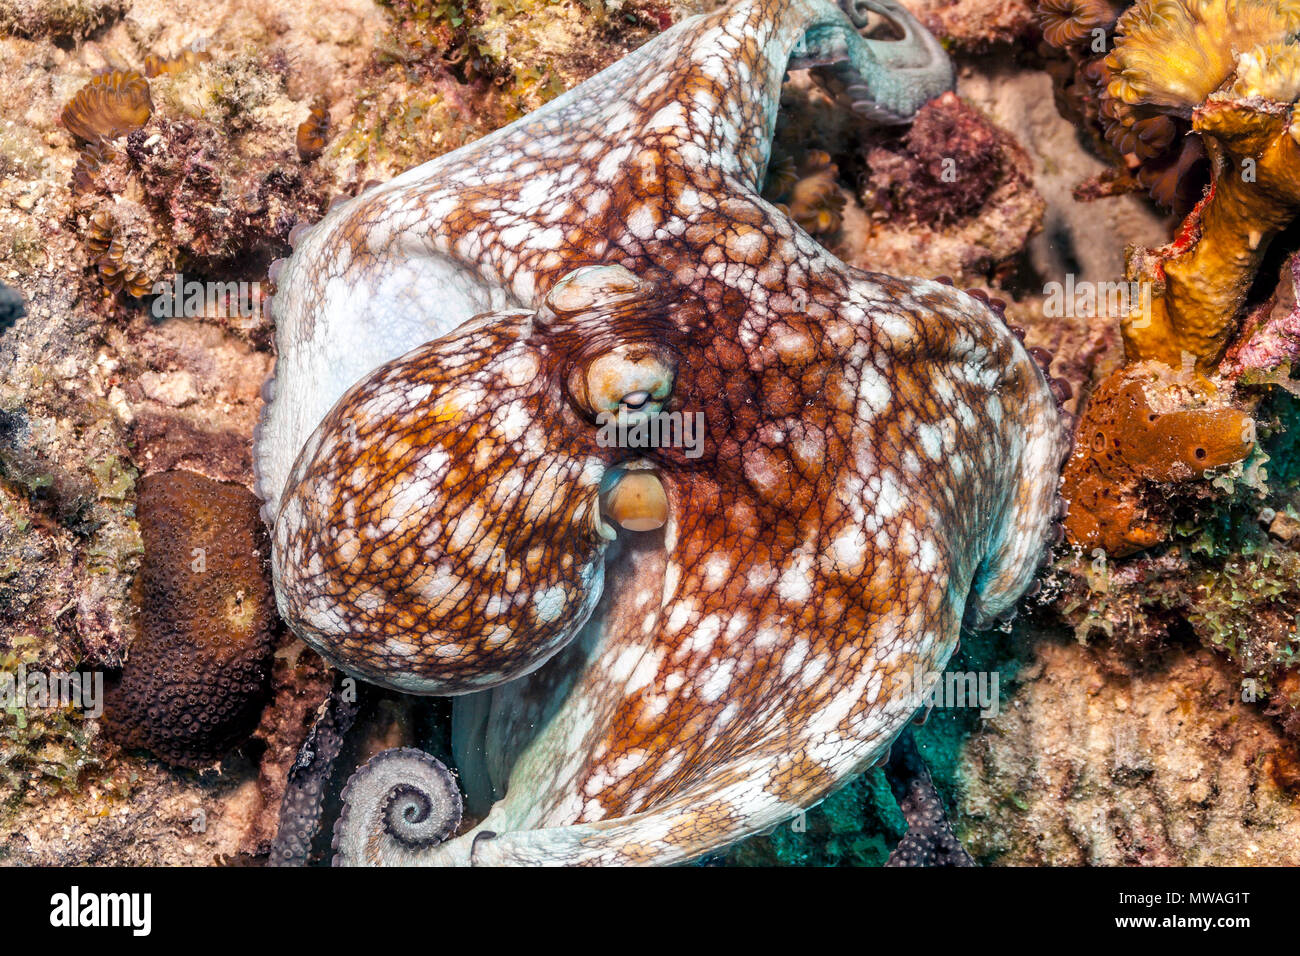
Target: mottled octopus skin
880	458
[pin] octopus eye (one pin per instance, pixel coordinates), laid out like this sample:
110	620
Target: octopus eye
635	379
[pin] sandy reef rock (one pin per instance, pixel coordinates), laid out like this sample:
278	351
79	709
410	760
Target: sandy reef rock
978	26
1158	765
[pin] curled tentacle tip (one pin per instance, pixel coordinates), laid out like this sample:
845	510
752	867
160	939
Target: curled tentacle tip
636	501
402	803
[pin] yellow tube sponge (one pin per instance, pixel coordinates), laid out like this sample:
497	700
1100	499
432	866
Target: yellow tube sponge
1233	68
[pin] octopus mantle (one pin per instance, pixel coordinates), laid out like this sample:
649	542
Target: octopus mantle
879	458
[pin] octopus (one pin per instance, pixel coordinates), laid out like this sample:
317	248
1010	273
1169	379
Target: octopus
654	649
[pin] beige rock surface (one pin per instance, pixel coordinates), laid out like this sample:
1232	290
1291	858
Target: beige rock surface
1098	765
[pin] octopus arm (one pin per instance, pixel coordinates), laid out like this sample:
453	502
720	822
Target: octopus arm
723	807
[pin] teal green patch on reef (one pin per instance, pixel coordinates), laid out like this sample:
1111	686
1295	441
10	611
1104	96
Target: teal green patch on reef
1244	558
860	824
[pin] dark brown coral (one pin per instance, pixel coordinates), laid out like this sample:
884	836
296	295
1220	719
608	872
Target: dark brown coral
816	202
808	191
1151	152
111	105
93	157
1069	23
117	271
197	675
1167	162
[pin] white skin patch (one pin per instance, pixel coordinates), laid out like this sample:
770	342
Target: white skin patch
794	658
679	616
514	423
635	667
848	548
873	391
716	680
410	497
499	635
889	500
795	583
672	576
434	461
401	648
549	604
927	556
521	371
716	571
931	440
705	634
